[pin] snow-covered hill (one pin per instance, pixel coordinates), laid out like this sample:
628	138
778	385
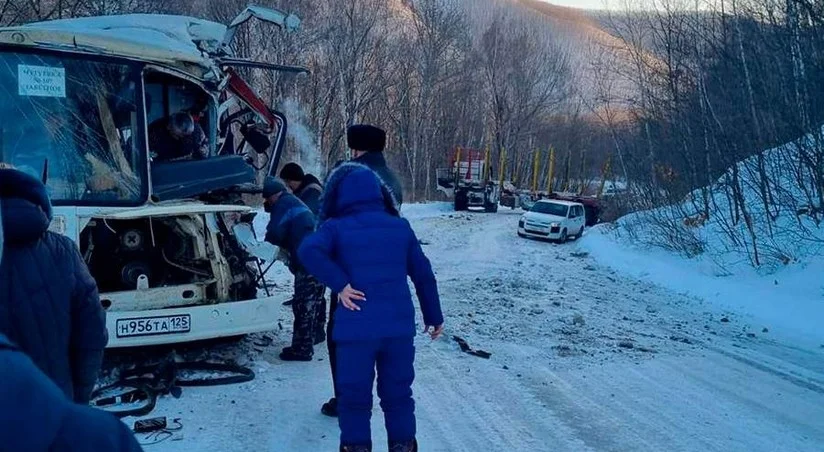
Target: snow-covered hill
771	270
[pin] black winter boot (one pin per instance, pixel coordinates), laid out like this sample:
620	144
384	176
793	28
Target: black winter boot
403	446
320	337
330	408
289	354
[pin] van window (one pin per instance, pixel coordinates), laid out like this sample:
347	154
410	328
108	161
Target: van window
550	208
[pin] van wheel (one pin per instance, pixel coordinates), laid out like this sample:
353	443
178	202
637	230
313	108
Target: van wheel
564	237
461	202
580	233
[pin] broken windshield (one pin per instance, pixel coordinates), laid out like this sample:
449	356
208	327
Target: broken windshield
79	121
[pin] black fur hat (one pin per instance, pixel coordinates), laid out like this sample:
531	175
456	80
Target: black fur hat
292	171
364	137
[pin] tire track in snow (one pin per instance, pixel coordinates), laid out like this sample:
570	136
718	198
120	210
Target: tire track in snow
475	407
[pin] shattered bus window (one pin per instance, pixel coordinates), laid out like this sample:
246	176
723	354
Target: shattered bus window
75	121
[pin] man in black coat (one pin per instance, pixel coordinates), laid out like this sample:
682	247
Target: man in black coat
35	414
367	143
49	305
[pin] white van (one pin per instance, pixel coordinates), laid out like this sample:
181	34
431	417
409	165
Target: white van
553	220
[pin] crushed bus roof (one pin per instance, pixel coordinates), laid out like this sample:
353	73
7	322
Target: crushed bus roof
177	41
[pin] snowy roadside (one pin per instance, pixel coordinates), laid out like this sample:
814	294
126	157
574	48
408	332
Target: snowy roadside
583	358
789	302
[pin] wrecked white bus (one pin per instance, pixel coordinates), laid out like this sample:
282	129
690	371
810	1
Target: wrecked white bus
170	243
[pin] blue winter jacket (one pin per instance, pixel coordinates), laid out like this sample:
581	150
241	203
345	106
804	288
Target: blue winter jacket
35	416
290	221
363	242
49	305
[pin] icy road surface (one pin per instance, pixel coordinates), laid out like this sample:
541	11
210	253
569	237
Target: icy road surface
583	359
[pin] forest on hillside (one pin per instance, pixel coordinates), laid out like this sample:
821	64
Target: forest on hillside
726	121
667	95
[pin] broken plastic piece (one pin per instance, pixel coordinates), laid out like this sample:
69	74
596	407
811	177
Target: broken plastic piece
468	350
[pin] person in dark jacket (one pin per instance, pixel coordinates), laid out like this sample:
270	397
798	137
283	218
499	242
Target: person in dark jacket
290	222
36	416
49	305
305	186
367	144
375	317
178	136
309	190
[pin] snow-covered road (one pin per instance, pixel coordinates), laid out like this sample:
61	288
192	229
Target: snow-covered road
583	358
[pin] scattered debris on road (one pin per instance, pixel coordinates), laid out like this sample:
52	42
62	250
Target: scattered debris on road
628	344
681	339
467	349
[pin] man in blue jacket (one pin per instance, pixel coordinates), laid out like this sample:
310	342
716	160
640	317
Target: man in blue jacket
49	305
365	252
290	221
309	190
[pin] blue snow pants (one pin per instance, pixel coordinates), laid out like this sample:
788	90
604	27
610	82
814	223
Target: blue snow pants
356	364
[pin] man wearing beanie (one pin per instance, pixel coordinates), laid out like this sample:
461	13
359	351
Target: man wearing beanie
290	221
305	186
367	143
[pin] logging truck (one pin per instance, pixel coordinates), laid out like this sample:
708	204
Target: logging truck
467	181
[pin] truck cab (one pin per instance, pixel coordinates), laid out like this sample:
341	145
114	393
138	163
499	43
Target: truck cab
467	180
170	242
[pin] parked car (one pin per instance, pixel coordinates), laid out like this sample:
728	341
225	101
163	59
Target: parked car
553	220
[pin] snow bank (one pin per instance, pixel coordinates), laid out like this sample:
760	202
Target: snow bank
790	302
714	258
426	210
784	232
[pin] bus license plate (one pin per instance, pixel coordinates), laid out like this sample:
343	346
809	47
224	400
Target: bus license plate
152	326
